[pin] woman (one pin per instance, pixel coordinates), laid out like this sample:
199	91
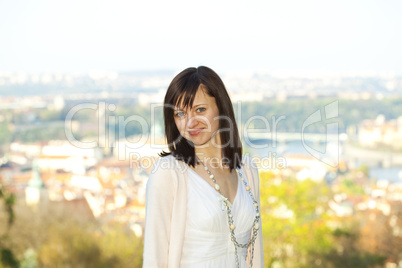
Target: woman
202	203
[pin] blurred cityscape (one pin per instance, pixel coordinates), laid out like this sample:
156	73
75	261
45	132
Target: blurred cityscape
78	149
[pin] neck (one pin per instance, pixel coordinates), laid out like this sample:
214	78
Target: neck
211	157
207	154
210	153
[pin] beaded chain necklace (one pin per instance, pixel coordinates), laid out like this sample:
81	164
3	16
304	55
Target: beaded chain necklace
228	205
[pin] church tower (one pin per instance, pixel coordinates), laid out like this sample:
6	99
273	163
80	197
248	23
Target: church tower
35	192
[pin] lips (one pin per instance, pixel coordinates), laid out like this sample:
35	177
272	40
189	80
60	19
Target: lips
194	132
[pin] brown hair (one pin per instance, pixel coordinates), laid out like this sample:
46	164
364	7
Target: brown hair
183	89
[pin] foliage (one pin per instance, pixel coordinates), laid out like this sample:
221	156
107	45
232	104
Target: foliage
54	235
46	115
293	216
297	227
355	259
364	169
351	112
295	112
29	260
130	124
74	247
350	187
5	133
116	241
7	257
80	246
347	254
40	134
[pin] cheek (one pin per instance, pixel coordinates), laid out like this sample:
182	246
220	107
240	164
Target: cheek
215	123
180	125
215	120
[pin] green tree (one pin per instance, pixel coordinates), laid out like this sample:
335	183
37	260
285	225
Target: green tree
7	257
80	246
294	221
297	227
5	133
60	235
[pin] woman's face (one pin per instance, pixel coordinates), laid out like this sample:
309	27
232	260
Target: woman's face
200	123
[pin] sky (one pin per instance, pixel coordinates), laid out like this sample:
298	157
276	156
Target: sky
87	35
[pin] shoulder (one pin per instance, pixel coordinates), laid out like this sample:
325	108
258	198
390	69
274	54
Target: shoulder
251	169
249	163
168	164
166	169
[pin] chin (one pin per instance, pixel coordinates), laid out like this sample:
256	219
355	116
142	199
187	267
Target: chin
199	140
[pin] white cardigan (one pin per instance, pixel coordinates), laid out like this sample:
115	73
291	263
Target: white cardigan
166	210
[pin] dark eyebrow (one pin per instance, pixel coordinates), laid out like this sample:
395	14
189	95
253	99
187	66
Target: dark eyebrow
179	109
198	105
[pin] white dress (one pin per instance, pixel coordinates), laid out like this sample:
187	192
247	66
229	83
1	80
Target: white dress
207	241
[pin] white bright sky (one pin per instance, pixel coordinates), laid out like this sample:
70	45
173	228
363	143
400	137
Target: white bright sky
83	35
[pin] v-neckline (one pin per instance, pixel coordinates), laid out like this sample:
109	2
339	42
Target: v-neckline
212	188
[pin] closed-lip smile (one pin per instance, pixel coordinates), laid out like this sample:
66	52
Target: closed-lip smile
195	131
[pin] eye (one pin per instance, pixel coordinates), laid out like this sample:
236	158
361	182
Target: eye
200	109
179	114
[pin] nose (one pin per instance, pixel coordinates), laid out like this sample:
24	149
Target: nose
192	121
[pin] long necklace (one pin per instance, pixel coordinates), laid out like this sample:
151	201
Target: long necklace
232	226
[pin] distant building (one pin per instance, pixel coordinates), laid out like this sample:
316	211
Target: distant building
35	192
61	155
58	103
306	167
372	133
141	147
